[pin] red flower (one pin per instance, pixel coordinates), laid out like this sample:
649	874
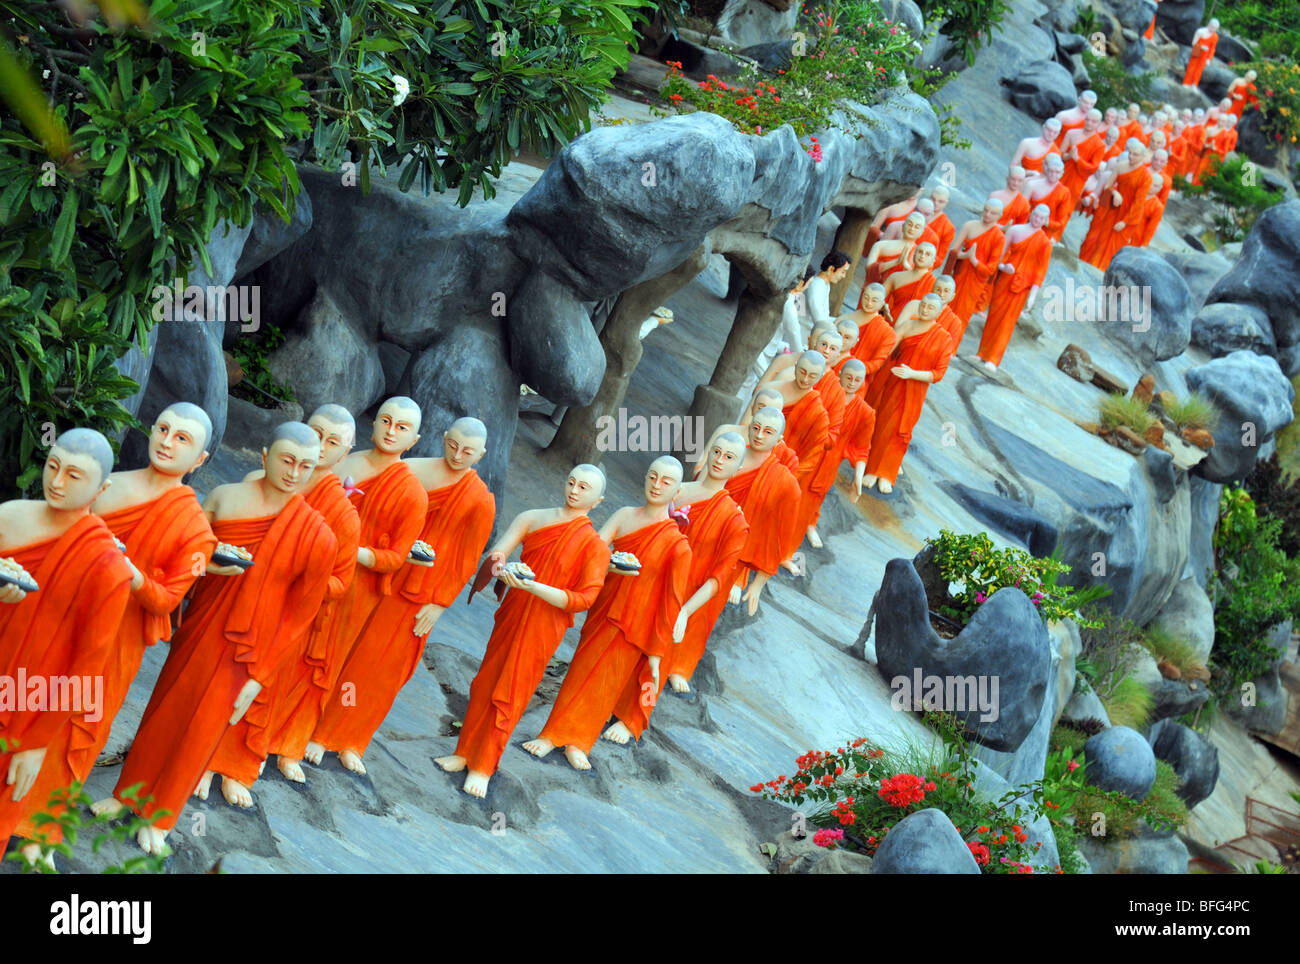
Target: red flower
1071	766
979	852
756	788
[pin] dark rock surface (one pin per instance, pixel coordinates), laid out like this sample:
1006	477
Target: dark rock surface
1119	758
1225	327
924	842
1194	758
1254	398
1168	330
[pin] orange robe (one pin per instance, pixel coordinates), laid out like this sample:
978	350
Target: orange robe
1065	129
631	620
875	234
716	531
1035	164
828	387
457	525
236	629
1115	150
65	629
1132	128
946	231
912	291
1151	28
1202	51
973	280
1144	231
1013	212
787	457
526	632
953	325
855	434
875	342
1103	240
170	542
1077	172
807	431
897	401
392	507
299	694
1177	159
1242	96
1010	292
1058	202
768	496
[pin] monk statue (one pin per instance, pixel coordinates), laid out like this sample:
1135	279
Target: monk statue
1204	42
807	423
979	246
1031	151
1082	149
946	288
62	625
1011	197
940	223
1243	94
1132	125
562	567
763	397
168	546
824	339
847	329
886	257
392	505
1072	119
457	525
627	633
1125	193
909	285
1047	189
897	393
243	624
1020	276
716	531
299	692
768	494
887	216
924	207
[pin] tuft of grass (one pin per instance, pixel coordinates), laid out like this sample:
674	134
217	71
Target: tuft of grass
1130	704
1193	412
1167	808
1119	409
1164	645
1063	737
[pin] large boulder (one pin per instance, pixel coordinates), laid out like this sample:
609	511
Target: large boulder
1204	504
1254	398
1011	518
1156	323
1146	852
1172	698
1061	15
1262	706
1085	705
1215	79
1041	89
1194	758
270	234
1180	19
1189	616
1200	270
744	23
1005	645
1231	50
1254	143
327	360
924	842
1134	14
1225	327
1119	758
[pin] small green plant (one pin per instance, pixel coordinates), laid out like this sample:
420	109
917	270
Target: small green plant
968	24
1234	187
253	355
978	570
1266	867
1129	704
1132	413
60	826
1193	412
1164	646
1114	85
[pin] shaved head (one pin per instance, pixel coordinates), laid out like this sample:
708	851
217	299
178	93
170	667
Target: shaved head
813	358
730	438
469	428
855	365
298	433
400	404
91	444
191	413
667	465
339	416
593	474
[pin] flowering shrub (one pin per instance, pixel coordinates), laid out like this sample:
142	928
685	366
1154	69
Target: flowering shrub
865	791
1276	84
849	52
979	570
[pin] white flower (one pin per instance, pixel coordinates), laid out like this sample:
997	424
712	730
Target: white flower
402	86
45	74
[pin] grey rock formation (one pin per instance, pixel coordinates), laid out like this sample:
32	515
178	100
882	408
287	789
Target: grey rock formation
1180	19
1194	758
1147	852
1168	330
906	13
1119	758
328	360
1200	270
1134	14
1253	142
270	235
1086	705
745	23
924	842
1041	89
1204	506
1005	642
1231	50
1225	327
1172	698
1263	707
1189	616
1254	398
1215	79
1014	519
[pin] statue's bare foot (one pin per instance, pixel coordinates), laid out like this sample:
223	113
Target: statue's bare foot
814	537
618	733
476	784
869	482
452	764
111	807
151	840
734	597
791	567
314	753
205	784
261	769
577	759
990	366
539	747
886	487
236	794
352	760
292	769
32	856
678	683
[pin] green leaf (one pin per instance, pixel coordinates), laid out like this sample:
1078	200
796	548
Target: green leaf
61	242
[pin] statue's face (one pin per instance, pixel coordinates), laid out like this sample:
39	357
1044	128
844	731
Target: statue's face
1038	217
1050	130
1112	116
940	201
1091	123
848	338
176	444
70	480
924	257
461	451
764	433
662	481
990	214
1133	111
828	345
1015	180
768	398
806	374
946	290
1086	103
335	440
1052	172
584	489
397	428
724	459
837	274
851	379
928	309
913	226
873	301
288	464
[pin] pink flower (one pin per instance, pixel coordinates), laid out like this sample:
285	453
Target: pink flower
893	30
980	597
350	487
828	838
1071	766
